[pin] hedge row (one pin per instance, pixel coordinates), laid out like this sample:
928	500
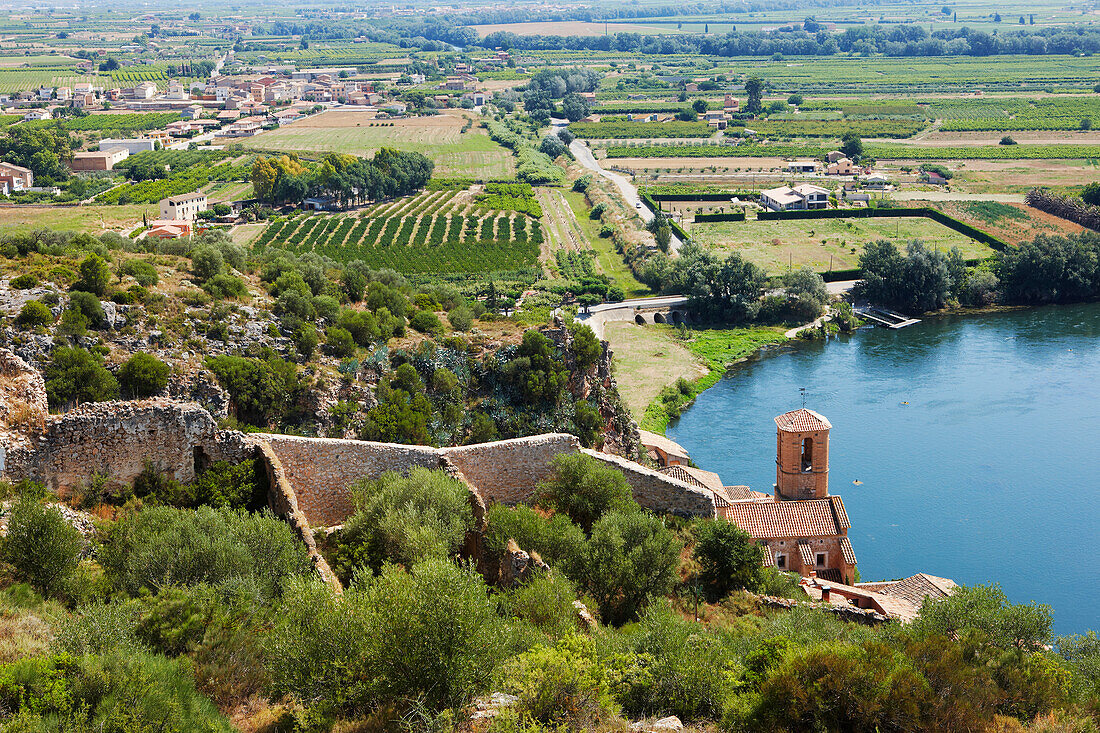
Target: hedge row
933	214
743	195
734	216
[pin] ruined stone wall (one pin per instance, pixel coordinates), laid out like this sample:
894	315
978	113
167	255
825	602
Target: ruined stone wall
115	439
659	492
321	469
508	471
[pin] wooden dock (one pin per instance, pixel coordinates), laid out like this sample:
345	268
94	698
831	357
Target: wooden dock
883	316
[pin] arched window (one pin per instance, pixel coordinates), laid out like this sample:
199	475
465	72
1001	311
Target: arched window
807	454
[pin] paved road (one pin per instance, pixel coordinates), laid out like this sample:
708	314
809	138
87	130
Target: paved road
630	193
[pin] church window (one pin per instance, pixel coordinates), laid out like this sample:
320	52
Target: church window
781	562
821	559
807	454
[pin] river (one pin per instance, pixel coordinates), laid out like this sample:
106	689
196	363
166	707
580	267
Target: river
965	446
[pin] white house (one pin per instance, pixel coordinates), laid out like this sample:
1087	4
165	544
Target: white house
176	91
145	90
184	207
876	181
802	166
801	197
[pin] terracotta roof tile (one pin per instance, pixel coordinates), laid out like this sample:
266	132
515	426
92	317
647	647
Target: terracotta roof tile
654	440
779	519
801	421
695	477
847	551
806	553
916	588
767	559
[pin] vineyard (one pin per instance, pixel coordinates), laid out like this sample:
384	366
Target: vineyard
182	180
607	129
112	123
884	151
438	233
1017	114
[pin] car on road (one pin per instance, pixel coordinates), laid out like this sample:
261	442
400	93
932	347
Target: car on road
637	204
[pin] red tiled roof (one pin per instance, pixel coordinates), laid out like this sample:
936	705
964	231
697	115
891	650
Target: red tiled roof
847	551
806	553
780	519
916	588
801	421
695	477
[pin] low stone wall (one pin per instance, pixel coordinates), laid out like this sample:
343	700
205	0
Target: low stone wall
115	439
658	492
321	469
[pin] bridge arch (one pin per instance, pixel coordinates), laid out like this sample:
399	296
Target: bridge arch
659	318
640	319
677	317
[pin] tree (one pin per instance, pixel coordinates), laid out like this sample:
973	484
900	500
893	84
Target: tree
95	275
206	262
852	146
585	489
718	290
1007	140
754	87
34	313
143	375
987	610
43	548
575	107
632	558
76	375
1086	123
728	559
552	146
794	99
700	106
45	150
1090	194
806	288
918	281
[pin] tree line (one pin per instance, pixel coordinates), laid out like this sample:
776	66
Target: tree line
345	178
899	40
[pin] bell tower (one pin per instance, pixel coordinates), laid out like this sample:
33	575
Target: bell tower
801	455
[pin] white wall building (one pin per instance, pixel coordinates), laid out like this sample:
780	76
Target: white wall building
184	207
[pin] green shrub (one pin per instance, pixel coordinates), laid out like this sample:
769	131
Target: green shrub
34	313
632	558
222	484
564	685
225	286
426	322
119	692
162	546
430	634
43	548
262	390
403	519
559	542
88	305
144	272
143	375
545	602
461	318
340	341
25	281
985	609
585	488
76	375
206	262
95	275
728	559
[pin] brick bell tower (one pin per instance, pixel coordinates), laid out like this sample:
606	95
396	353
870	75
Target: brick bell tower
801	455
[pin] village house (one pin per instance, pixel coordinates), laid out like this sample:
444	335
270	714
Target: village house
730	104
145	90
176	91
99	160
840	167
663	451
16	177
801	197
168	229
934	178
84	100
64	94
833	156
876	182
184	207
192	113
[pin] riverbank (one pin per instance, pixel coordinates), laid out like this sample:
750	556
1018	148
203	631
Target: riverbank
660	369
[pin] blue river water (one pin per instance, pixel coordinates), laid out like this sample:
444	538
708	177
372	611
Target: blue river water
966	447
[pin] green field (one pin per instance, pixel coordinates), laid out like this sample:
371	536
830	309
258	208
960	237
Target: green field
455	153
436	233
817	243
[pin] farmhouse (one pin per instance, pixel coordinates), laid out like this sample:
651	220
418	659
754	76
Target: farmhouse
802	166
99	160
132	145
17	177
184	207
801	197
168	229
840	167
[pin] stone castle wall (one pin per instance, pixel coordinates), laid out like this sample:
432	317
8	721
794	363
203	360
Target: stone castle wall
508	471
658	492
321	469
116	439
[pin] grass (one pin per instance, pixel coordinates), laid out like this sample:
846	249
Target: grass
660	370
455	153
717	349
824	243
91	219
610	262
